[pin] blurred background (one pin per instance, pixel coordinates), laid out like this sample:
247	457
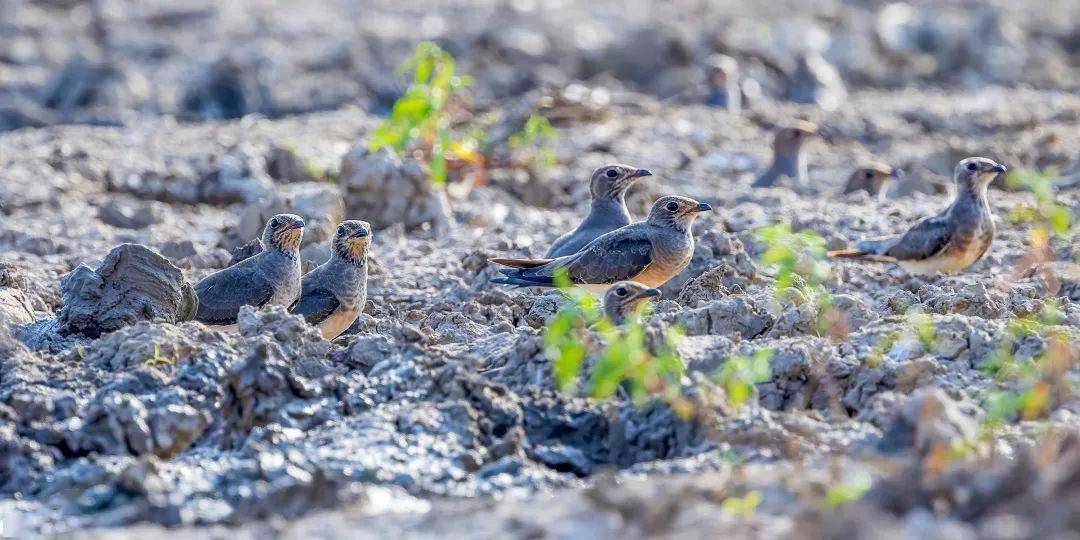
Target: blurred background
110	62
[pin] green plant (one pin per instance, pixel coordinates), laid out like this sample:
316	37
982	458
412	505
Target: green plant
923	325
534	142
1035	380
740	375
422	112
797	257
798	260
624	360
1046	214
157	360
847	492
743	506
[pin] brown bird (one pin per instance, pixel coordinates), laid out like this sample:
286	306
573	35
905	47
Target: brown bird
624	300
650	252
788	159
946	243
874	178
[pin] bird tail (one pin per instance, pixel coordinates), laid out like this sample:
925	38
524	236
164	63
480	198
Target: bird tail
523	281
520	263
860	255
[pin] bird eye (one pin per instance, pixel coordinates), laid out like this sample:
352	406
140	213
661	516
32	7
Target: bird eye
672	206
869	174
274	222
612	173
972	166
621	291
796	134
341	230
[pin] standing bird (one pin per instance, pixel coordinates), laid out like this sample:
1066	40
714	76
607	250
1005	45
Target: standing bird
608	211
948	242
723	81
873	178
622	300
333	295
270	278
650	252
788	159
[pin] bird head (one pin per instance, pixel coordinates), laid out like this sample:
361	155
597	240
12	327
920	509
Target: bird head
625	298
675	211
283	232
790	139
721	70
975	173
352	239
612	181
876	176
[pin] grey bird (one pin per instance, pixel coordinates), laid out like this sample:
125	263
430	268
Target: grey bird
608	211
723	81
650	252
874	178
946	243
788	159
270	278
333	295
624	300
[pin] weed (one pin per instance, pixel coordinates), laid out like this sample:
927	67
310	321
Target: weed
847	492
743	506
157	360
422	113
624	360
534	142
740	375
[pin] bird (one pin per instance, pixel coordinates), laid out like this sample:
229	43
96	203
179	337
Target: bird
269	278
650	252
723	82
788	159
333	294
622	300
608	211
874	178
948	242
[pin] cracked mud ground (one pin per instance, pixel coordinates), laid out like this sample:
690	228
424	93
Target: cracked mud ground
180	128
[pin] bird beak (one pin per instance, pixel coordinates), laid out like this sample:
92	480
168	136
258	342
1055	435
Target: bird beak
998	168
360	233
641	172
298	224
651	293
703	207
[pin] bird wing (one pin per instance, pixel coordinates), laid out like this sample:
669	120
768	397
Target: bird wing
615	256
222	293
316	305
923	240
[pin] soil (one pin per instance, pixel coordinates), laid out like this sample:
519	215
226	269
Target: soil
141	144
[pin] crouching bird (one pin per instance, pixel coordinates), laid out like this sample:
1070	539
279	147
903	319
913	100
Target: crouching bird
949	242
272	277
623	300
333	294
607	212
650	252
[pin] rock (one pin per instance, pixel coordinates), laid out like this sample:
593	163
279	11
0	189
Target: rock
15	307
929	420
78	84
132	284
283	165
319	203
383	190
129	216
234	179
227	88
